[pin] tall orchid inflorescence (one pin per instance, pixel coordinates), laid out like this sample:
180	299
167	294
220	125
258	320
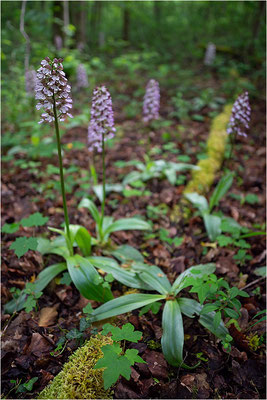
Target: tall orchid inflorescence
82	81
30	81
101	127
151	101
210	54
239	121
53	91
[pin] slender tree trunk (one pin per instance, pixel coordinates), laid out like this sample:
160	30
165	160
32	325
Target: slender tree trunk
126	22
22	30
58	13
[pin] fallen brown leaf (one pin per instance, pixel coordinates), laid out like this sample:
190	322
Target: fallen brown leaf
48	316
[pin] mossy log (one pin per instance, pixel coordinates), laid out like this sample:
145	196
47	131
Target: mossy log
203	179
78	379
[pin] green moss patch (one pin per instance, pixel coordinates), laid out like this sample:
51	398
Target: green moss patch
78	379
202	179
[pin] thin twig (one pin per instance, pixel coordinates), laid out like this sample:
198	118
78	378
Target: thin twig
253	283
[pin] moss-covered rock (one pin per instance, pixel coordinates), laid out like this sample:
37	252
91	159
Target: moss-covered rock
78	379
203	178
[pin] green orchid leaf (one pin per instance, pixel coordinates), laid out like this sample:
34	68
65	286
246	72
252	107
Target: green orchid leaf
83	240
126	277
200	202
125	224
221	189
41	282
189	307
98	189
126	253
47	275
153	276
84	276
87	203
196	271
172	340
123	304
213	226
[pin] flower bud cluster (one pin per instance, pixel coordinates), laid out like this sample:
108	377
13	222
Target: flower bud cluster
82	81
102	121
30	82
151	101
210	54
239	121
51	89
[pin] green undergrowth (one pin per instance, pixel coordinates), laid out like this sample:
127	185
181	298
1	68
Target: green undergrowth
203	179
78	379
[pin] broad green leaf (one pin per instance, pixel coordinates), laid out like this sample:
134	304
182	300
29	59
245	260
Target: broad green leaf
83	240
24	244
84	276
208	308
36	219
86	203
15	304
124	304
261	271
221	189
172	340
132	355
224	240
153	276
207	321
131	177
217	319
126	253
200	202
182	166
170	175
195	271
126	332
10	228
41	282
114	364
125	224
125	276
189	307
98	189
213	226
47	275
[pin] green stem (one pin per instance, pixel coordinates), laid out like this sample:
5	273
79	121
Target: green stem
103	185
61	175
232	139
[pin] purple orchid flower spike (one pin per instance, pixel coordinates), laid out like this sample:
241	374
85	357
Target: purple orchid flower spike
52	90
101	127
151	101
240	118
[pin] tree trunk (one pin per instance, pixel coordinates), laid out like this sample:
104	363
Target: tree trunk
57	8
126	22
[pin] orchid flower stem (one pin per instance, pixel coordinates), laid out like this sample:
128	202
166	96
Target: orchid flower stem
232	139
61	171
103	184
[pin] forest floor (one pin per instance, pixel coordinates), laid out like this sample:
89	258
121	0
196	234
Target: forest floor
27	344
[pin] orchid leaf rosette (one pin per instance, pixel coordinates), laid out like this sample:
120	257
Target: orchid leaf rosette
101	129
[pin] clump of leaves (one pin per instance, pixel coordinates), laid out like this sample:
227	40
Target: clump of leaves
116	361
22	244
